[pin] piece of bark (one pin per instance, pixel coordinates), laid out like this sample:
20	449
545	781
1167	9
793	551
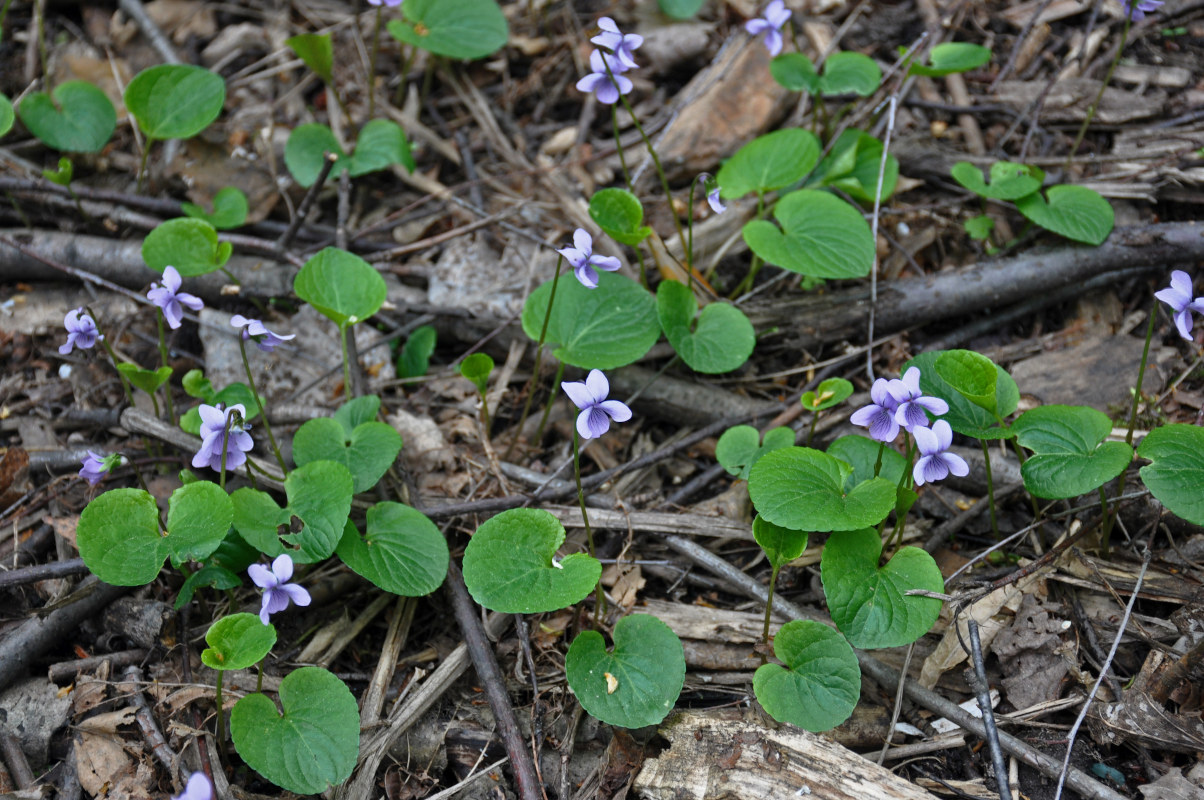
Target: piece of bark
1069	100
725	754
654	522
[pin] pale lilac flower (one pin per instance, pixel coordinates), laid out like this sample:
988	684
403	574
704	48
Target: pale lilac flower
711	187
771	24
1137	11
277	591
199	787
1178	297
614	40
606	87
912	402
879	415
169	297
935	463
596	411
581	256
389	3
81	331
94	468
214	423
253	329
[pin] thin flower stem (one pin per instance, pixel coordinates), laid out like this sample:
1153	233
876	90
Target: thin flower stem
773	580
614	119
690	238
347	388
543	333
599	596
485	414
656	162
986	460
811	433
263	414
878	463
372	61
142	165
221	716
1103	505
1078	139
171	411
104	342
547	409
226	448
259	680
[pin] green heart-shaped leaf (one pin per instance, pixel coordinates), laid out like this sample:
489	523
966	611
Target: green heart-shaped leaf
356	412
852	165
822	236
769	162
317	51
342	286
781	545
1075	212
454	28
79	119
803	489
319	497
229	209
964	416
175	101
146	380
415	358
1070	456
620	215
509	565
306	150
850	73
367	452
237	642
862	454
970	374
821	683
721	338
190	245
212	575
951	57
477	368
1009	181
870	604
795	72
403	552
313	745
829	393
380	145
611	326
637	683
1177	469
740	447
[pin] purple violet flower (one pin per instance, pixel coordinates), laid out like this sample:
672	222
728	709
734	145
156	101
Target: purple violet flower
711	187
1137	10
935	463
912	402
94	468
169	297
614	40
1178	297
277	591
214	421
596	411
581	256
879	415
199	787
81	331
771	24
253	329
606	89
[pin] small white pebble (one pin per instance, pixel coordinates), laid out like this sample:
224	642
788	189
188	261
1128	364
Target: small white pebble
64	371
903	229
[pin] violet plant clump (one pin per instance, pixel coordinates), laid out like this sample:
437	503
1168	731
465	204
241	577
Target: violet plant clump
171	300
277	591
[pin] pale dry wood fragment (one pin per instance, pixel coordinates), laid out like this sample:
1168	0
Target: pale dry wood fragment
719	624
1019	15
654	522
1069	100
1175	77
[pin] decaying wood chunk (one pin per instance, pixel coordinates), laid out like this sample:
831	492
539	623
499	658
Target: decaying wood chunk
1069	100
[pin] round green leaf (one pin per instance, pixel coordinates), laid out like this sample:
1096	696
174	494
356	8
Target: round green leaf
309	748
965	417
79	119
870	604
680	9
198	518
306	150
229	209
510	565
829	393
861	453
850	73
769	162
367	452
118	537
1175	474
341	285
6	115
821	683
620	215
1076	212
852	165
1009	181
453	28
415	358
237	642
803	489
317	51
970	374
952	57
824	237
380	145
476	368
403	551
146	380
721	338
190	245
795	72
611	326
646	670
781	545
175	101
311	525
740	447
1070	456
356	412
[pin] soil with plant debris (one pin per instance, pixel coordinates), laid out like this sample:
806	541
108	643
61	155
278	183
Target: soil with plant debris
1099	642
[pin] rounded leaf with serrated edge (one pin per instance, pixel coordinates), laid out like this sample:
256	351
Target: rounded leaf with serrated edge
801	488
1177	469
198	519
313	745
821	236
509	565
454	28
971	375
829	393
870	604
237	642
769	162
721	338
403	551
950	57
963	416
343	287
367	453
319	496
850	73
175	101
1076	212
190	245
611	326
1070	456
620	215
781	545
230	209
821	683
1009	181
76	117
647	668
740	446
